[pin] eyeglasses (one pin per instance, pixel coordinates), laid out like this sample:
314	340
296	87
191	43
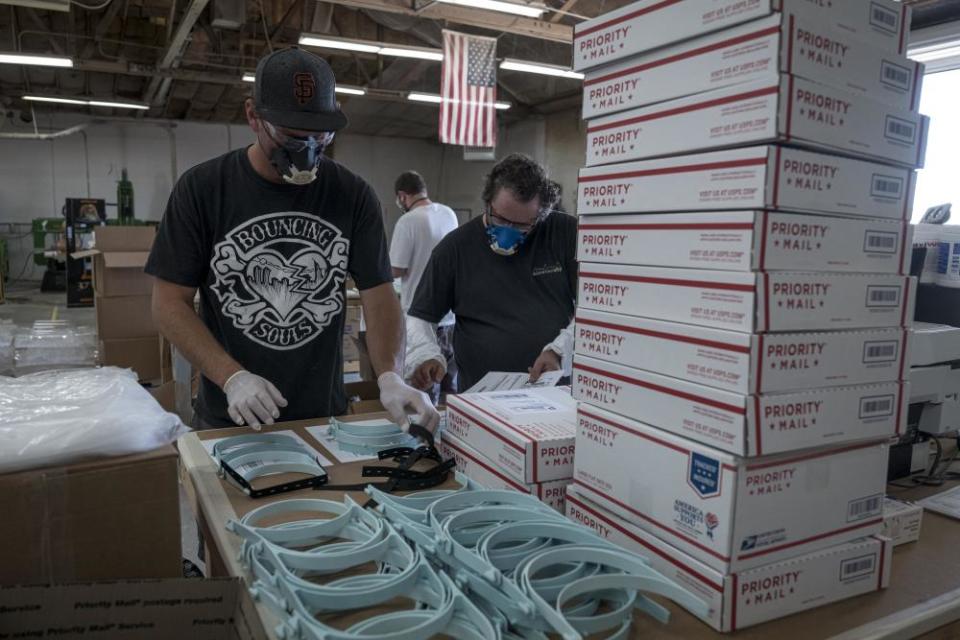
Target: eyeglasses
500	221
297	143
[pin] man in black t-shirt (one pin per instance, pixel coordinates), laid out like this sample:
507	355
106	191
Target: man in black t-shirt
509	276
268	235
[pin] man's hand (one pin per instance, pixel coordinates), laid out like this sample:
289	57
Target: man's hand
397	397
428	373
548	361
252	399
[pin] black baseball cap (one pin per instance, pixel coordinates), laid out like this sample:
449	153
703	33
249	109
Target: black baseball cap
296	89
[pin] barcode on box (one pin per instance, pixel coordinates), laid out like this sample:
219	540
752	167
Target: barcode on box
900	130
883	18
881	241
882	186
858	567
883	296
877	406
895	76
880	351
864	508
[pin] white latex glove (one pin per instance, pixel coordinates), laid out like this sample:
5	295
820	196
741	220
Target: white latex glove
252	400
397	397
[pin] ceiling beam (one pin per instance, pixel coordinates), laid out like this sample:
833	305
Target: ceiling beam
175	48
500	22
102	27
562	11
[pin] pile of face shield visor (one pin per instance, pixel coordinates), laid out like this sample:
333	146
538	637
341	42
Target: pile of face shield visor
470	563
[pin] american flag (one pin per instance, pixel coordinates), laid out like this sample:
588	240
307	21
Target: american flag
467	114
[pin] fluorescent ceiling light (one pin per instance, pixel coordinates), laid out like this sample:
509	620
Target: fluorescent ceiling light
249	77
433	98
35	60
528	10
351	91
421	53
543	69
337	43
88	103
935	52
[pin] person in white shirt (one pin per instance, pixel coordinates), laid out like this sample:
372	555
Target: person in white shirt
421	227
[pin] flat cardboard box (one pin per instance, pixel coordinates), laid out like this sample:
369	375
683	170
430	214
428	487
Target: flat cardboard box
730	513
484	471
140	354
105	519
650	24
760	50
901	521
528	433
747	598
934	343
198	609
741	362
747	241
788	110
764	177
124	317
745	424
750	302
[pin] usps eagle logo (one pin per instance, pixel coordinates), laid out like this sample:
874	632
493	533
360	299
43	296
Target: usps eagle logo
279	277
712	522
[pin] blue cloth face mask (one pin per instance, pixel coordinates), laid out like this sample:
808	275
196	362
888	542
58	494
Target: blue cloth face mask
505	241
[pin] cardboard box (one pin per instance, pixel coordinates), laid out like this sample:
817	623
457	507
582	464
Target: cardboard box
198	609
934	343
165	395
759	50
745	424
730	513
527	433
747	598
649	24
478	468
788	109
140	354
124	317
351	350
363	397
742	362
749	302
106	519
118	260
901	521
166	361
765	177
747	241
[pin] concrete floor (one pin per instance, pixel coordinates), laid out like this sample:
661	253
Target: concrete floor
24	305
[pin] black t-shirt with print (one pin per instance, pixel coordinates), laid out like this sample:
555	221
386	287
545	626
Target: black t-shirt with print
270	261
508	308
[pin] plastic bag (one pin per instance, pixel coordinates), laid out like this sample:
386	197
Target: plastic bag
53	345
59	417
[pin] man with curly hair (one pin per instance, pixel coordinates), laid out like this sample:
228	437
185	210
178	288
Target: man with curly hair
509	276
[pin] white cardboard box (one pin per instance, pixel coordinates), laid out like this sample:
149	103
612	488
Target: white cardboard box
527	433
749	302
650	24
730	513
484	471
901	521
789	110
747	598
745	424
743	362
934	343
747	241
764	177
759	50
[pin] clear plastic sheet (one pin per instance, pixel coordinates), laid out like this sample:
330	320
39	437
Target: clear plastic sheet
60	417
53	344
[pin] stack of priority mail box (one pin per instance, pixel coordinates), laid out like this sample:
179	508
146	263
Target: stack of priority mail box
521	440
743	312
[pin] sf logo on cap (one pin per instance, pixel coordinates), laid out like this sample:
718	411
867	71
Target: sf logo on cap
304	87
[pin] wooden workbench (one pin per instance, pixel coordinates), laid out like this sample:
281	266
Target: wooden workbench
923	597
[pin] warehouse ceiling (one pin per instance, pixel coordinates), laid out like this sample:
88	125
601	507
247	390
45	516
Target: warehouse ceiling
185	58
